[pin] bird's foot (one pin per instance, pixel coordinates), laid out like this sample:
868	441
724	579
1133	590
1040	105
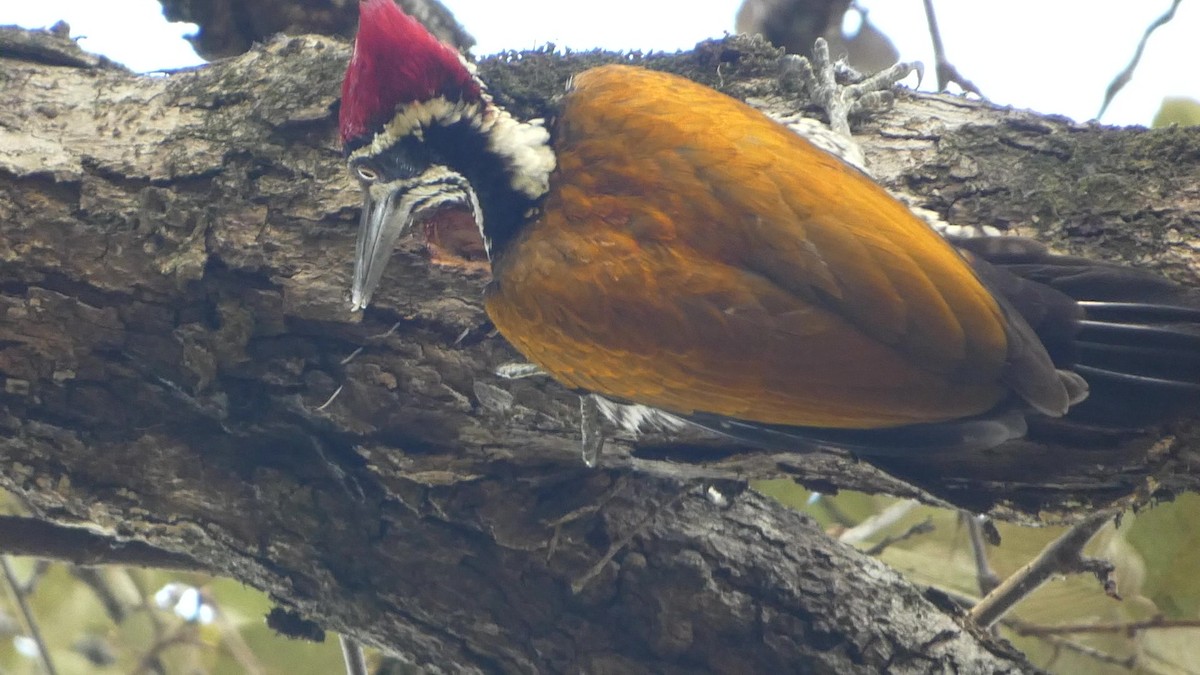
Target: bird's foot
519	371
861	94
591	429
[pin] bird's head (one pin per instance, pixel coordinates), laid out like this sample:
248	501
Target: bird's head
420	133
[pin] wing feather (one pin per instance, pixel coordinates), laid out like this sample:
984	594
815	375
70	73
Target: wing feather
720	264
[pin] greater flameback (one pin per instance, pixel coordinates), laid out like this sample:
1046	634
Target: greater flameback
667	246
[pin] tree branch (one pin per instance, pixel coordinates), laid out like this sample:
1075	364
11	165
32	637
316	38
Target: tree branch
78	546
173	327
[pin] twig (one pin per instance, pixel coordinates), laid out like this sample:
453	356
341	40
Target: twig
1093	653
946	72
136	579
923	527
1044	633
1062	555
235	643
579	584
835	512
359	350
1126	627
331	398
352	652
389	332
31	624
94	579
351	357
878	522
40	569
985	576
1126	75
184	634
592	507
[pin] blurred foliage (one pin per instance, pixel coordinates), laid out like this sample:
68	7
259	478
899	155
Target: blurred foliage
75	625
107	621
1179	110
1156	554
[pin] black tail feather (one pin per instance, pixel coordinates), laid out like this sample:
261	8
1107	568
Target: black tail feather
1166	335
1136	338
1137	380
1135	312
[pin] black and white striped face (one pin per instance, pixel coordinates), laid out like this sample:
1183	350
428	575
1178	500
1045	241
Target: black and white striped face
436	153
397	192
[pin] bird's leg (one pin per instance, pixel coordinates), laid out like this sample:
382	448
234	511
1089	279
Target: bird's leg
819	77
591	430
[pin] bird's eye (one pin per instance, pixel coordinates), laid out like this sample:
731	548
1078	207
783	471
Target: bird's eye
366	173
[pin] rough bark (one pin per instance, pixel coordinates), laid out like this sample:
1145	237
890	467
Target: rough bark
175	348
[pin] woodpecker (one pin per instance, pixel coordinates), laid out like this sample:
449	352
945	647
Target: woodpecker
664	246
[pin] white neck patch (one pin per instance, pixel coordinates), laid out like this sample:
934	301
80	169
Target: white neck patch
525	146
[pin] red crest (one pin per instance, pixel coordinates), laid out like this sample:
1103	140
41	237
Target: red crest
396	61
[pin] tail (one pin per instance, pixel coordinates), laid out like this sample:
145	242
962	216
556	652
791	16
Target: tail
1132	334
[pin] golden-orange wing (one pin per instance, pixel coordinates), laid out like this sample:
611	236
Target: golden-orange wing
695	256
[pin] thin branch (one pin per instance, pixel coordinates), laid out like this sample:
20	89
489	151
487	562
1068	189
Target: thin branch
1056	641
234	642
1123	627
116	609
79	546
94	579
31	624
145	602
581	583
352	652
1059	642
946	72
923	527
184	634
1126	75
332	397
1062	555
835	512
985	576
878	522
145	606
40	569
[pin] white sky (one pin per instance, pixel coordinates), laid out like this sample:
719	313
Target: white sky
1055	56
